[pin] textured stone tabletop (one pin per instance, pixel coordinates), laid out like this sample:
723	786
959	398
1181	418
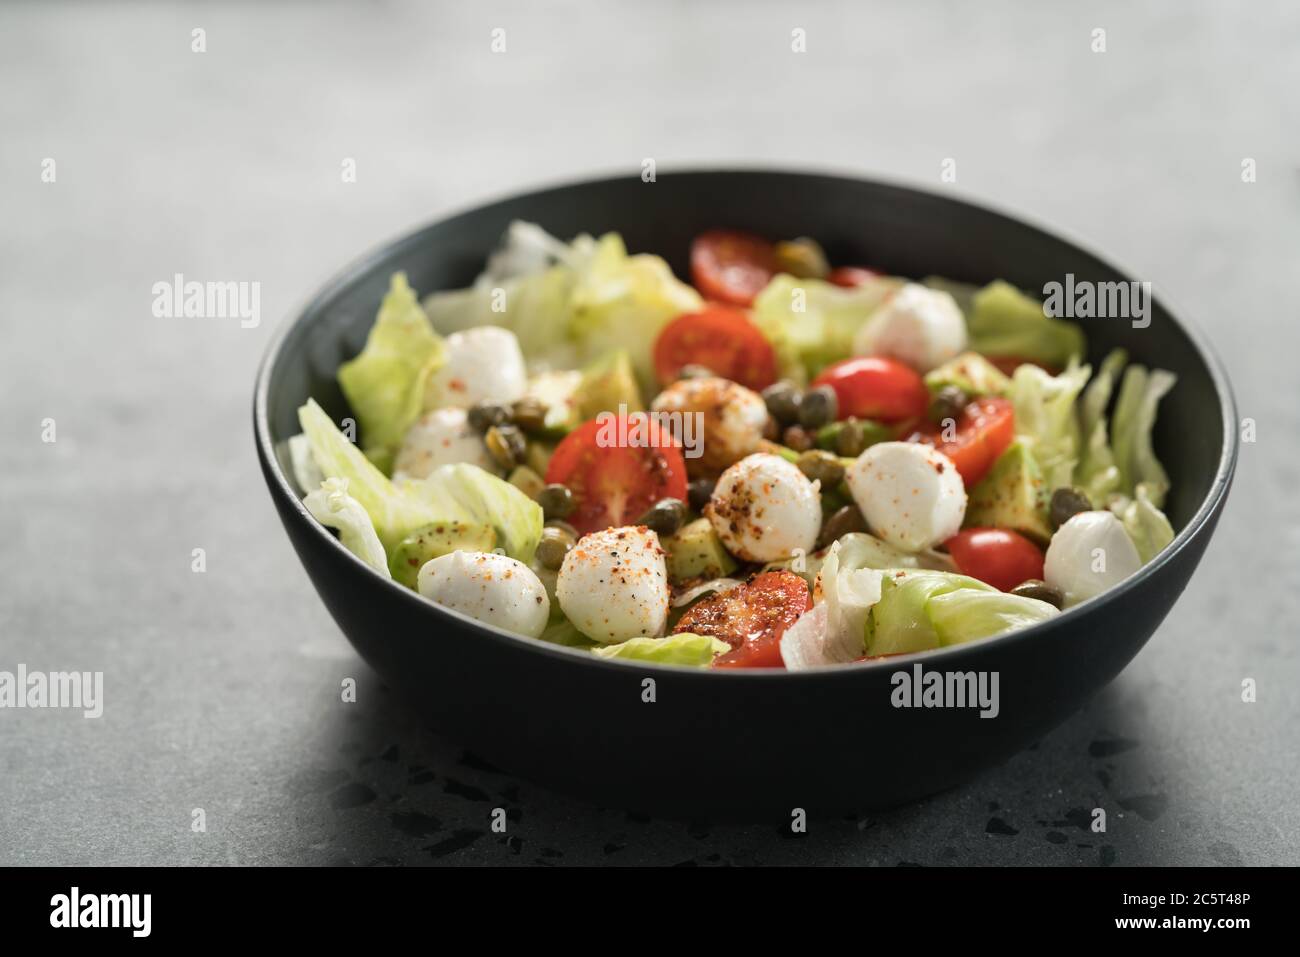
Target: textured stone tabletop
222	688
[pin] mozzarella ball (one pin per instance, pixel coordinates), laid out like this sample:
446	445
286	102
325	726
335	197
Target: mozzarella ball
763	508
721	421
484	364
441	437
613	585
495	589
1088	554
920	326
911	494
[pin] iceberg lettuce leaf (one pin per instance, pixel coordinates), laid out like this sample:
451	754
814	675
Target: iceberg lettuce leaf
1146	525
687	649
968	615
570	303
468	494
332	506
1096	472
1131	425
1046	420
921	610
394	514
811	323
385	384
1003	321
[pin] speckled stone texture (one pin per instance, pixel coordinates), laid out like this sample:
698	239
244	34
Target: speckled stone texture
223	687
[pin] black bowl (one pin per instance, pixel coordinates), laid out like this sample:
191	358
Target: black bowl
763	742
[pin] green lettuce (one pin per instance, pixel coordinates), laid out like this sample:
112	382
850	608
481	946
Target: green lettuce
332	506
1146	525
811	323
1131	425
1096	472
385	384
569	304
1046	420
921	610
681	649
461	493
394	514
1003	321
971	373
1118	467
466	493
561	631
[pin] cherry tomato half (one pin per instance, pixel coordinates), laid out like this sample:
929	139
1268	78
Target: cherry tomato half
983	433
997	556
851	276
876	387
617	467
732	267
751	618
721	339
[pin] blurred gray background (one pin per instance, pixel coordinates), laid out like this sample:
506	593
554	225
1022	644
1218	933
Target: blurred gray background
222	688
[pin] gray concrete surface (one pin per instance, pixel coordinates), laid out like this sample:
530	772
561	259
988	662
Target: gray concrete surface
222	688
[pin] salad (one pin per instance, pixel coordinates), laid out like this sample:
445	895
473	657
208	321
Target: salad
780	464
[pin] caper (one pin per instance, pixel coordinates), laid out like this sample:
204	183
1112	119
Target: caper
693	370
1067	502
850	438
556	501
664	516
798	438
782	400
553	546
1034	588
802	258
840	523
564	527
483	415
822	466
947	403
698	493
529	414
506	445
817	407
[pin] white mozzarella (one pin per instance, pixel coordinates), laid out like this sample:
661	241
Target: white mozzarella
763	508
1088	554
722	421
917	325
440	437
495	589
613	585
910	494
484	364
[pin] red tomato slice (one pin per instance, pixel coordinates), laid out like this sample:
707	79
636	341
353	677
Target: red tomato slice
614	475
751	618
721	339
731	266
876	387
986	428
851	276
997	556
